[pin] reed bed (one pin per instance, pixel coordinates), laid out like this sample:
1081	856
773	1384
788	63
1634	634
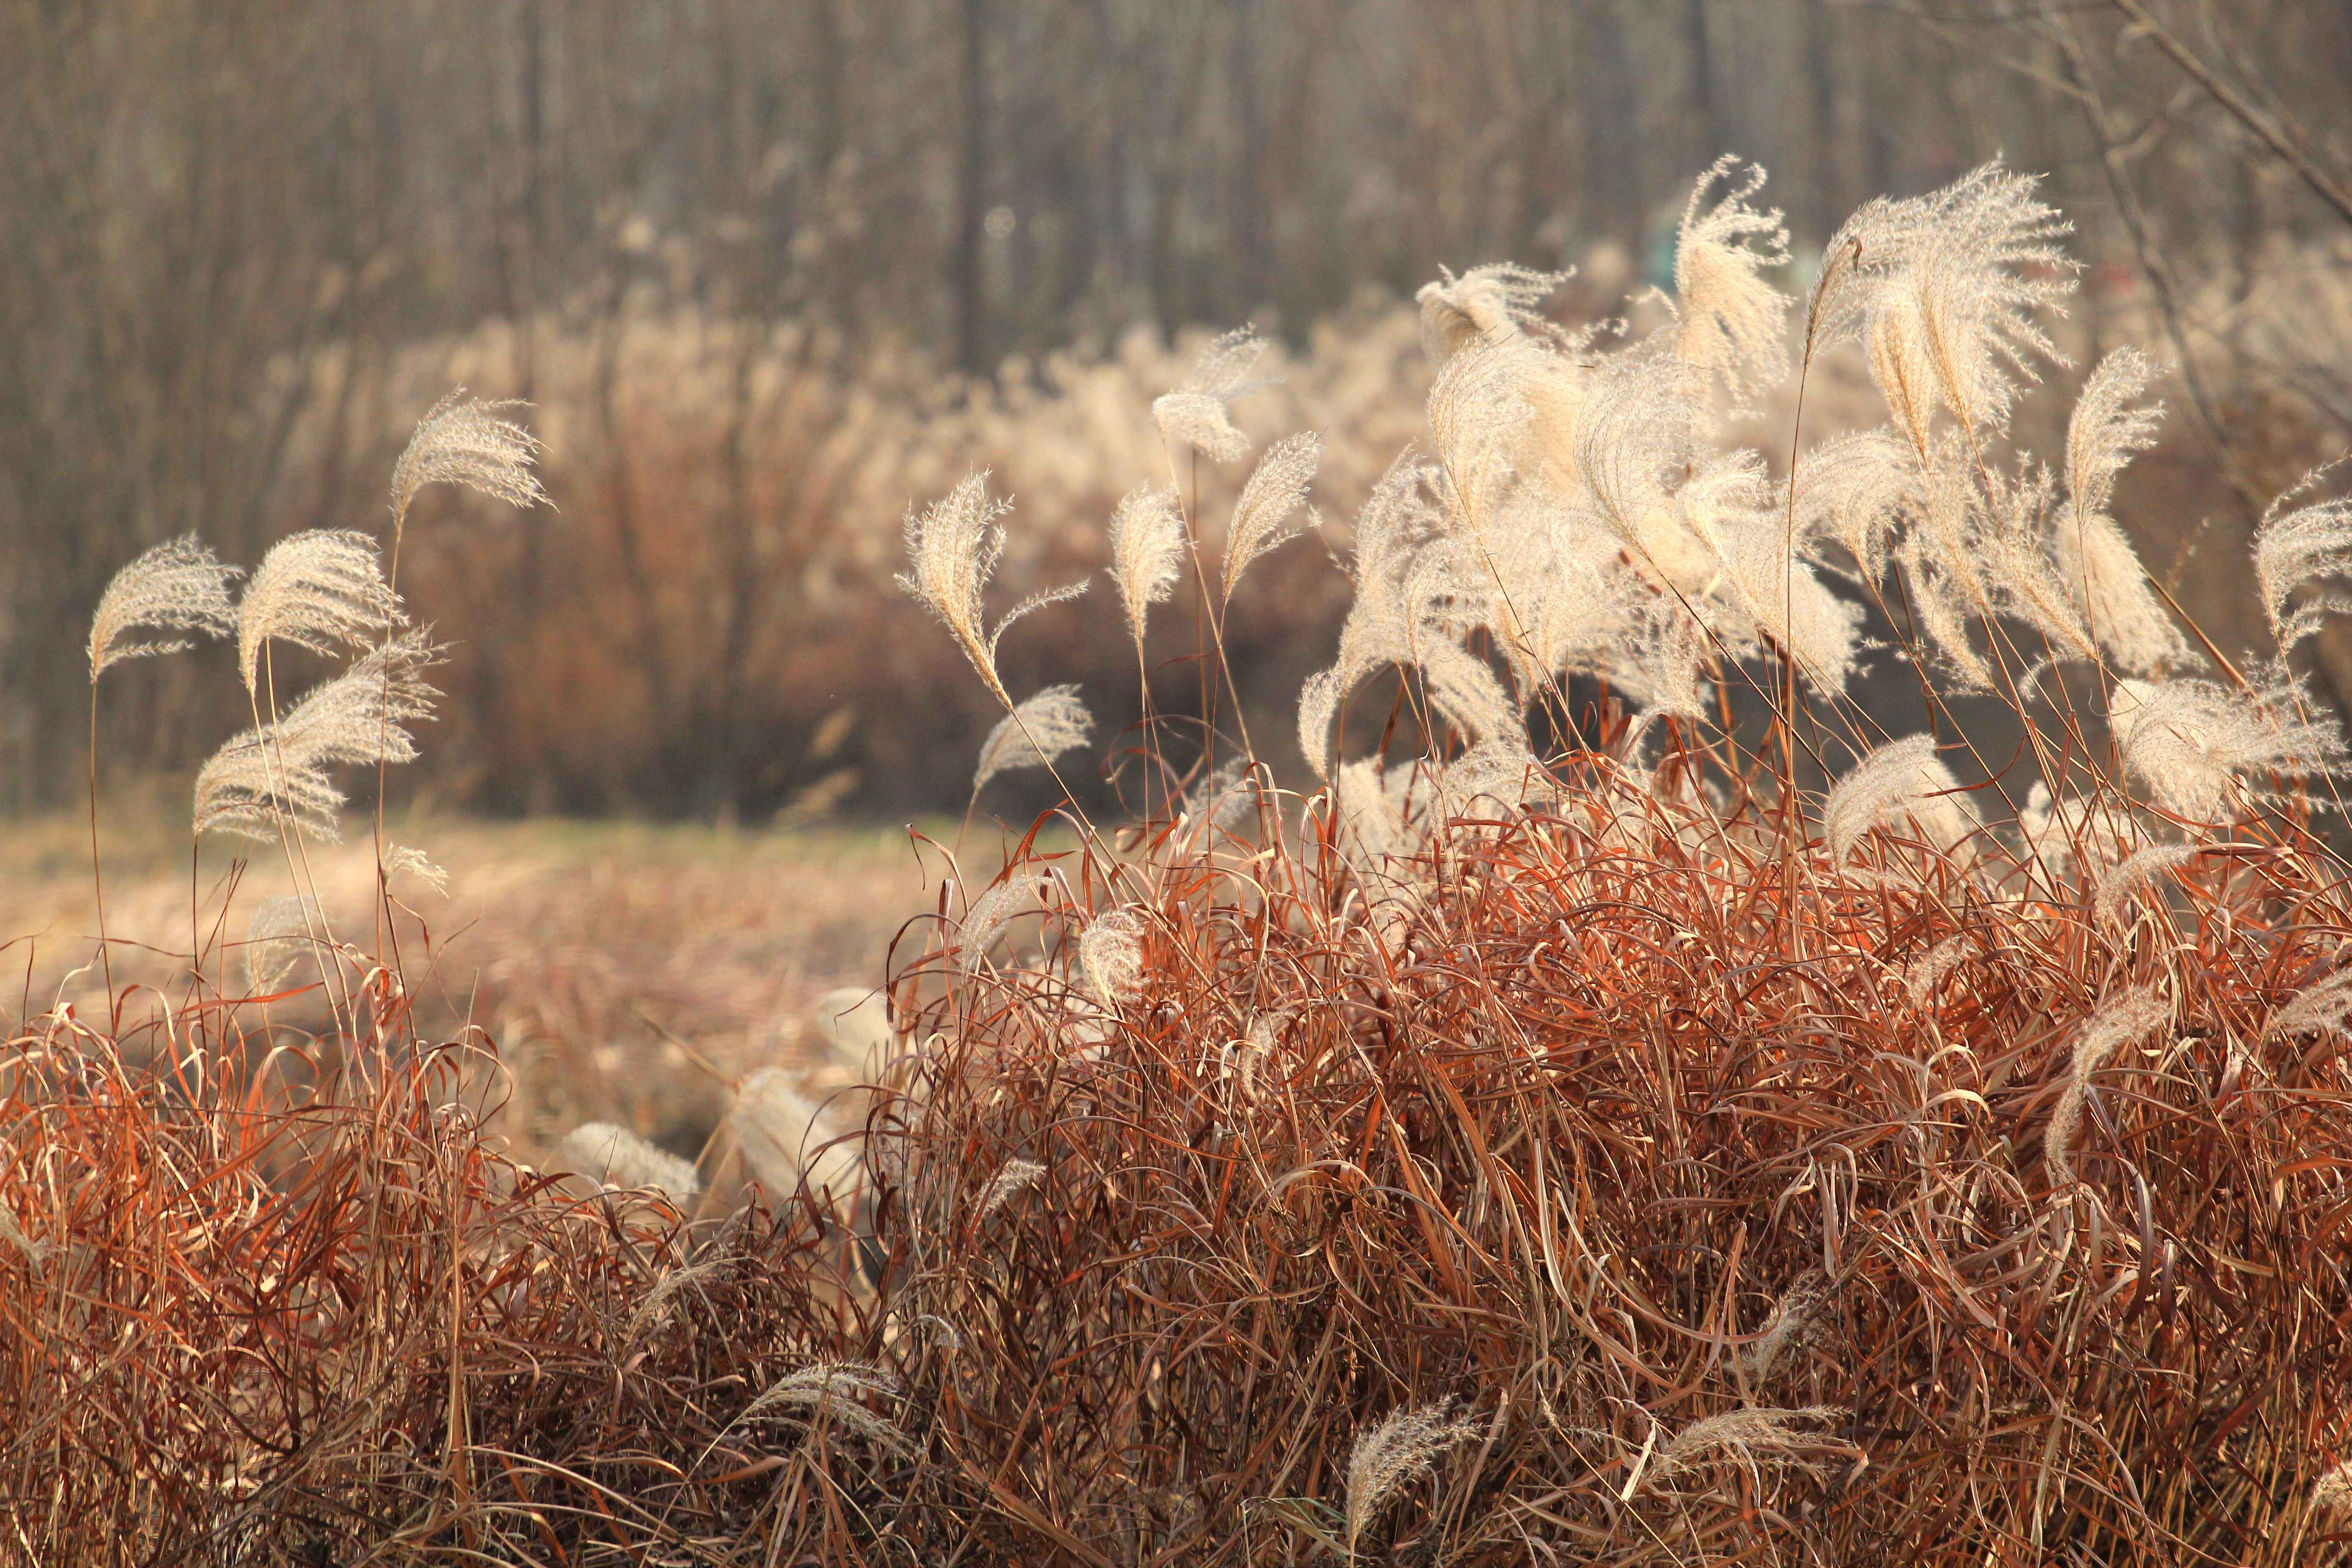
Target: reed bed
1730	1134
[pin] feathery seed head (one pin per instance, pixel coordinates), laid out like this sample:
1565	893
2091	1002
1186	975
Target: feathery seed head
1146	551
277	939
1730	317
401	859
2318	1008
786	1136
1901	777
1492	303
2295	549
1395	1453
1045	726
952	546
2116	1022
322	589
1195	415
178	586
835	1391
1276	491
463	441
2191	741
1755	1435
1010	1178
618	1158
1110	954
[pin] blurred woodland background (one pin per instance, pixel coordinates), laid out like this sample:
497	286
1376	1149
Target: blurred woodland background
771	270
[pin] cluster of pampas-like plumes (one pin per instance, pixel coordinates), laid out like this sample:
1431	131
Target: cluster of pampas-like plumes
1739	1134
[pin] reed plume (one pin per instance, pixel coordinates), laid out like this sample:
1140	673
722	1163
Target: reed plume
1110	954
618	1158
1901	778
1730	319
1396	1453
1045	726
2192	742
835	1391
1011	1178
1756	1436
322	589
1146	552
787	1138
177	587
1195	415
464	441
953	545
404	860
280	770
2117	1022
1491	304
2294	549
2103	571
277	939
1275	494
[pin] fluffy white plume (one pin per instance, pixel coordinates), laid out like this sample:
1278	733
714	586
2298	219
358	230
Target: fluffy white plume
1395	1453
2296	549
1488	304
1275	494
783	1135
1754	1436
322	589
952	546
175	588
1902	778
2320	1008
2191	742
1854	489
2103	571
1146	551
361	715
277	939
835	1391
1731	319
400	860
1010	1178
1110	954
619	1158
1945	289
986	917
2136	872
2117	1022
464	441
1044	727
1195	415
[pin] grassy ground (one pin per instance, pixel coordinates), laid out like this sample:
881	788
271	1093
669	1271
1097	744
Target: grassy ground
577	945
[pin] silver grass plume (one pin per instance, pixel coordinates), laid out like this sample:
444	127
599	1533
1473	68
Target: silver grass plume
403	860
835	1391
2190	740
1397	1453
1944	290
1901	778
2118	1022
1110	954
1044	727
783	1136
2331	1494
1275	493
2296	549
2318	1008
359	716
1923	973
1731	319
1795	1317
1491	304
1755	1435
855	1023
2132	873
1223	799
177	587
1854	489
1194	414
1146	551
2103	571
1010	1178
618	1158
277	939
986	917
14	1235
953	545
1396	517
463	441
322	589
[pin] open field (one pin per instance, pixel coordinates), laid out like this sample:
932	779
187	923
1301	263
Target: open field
573	945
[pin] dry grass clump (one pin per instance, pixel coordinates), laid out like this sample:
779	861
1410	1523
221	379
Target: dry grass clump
1739	1135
